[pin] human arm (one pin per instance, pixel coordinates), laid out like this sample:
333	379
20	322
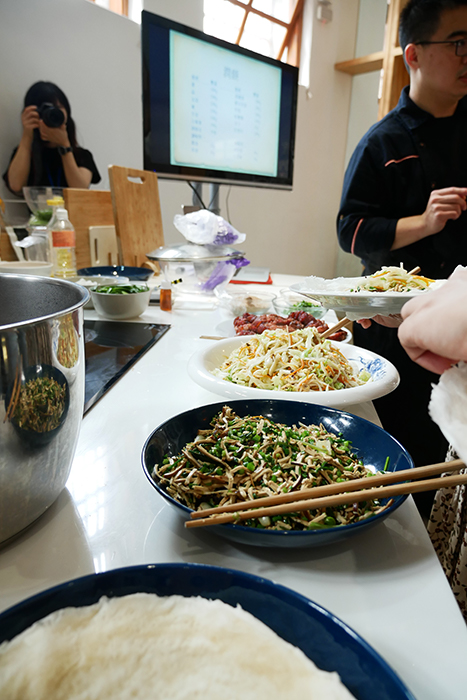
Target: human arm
18	170
434	327
392	321
76	175
386	204
445	204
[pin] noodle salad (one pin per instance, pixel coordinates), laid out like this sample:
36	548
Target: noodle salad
239	459
282	360
392	279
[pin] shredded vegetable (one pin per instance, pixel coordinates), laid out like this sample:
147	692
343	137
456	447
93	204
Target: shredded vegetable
41	405
393	279
240	459
283	360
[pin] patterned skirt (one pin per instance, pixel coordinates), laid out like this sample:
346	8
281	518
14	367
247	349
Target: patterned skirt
447	528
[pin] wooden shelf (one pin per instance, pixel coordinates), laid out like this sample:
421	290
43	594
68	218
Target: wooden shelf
363	64
389	60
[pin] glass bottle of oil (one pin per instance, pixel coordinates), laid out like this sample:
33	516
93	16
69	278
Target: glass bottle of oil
62	239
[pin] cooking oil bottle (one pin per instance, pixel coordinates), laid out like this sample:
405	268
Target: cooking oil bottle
62	238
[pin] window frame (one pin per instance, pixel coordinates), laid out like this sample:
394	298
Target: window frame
292	39
293	34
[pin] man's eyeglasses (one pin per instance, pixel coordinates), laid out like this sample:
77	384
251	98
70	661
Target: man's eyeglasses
460	44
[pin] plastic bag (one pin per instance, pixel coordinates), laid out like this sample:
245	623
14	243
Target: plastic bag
204	227
222	273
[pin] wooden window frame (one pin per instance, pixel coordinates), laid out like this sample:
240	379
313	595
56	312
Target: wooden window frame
292	39
118	6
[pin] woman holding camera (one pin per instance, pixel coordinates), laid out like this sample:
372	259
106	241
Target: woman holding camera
48	153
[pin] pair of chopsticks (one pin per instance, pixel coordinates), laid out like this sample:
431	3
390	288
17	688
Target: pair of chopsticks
326	334
330	331
334	494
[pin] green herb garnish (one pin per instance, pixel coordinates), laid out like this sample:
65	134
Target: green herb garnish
121	288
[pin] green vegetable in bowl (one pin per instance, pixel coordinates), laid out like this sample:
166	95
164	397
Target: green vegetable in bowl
304	306
41	217
121	288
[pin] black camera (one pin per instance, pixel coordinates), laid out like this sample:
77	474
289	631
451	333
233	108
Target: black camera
51	115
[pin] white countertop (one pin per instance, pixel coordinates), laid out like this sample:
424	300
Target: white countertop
385	583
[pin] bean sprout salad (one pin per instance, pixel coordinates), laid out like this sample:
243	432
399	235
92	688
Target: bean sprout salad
284	360
239	459
393	279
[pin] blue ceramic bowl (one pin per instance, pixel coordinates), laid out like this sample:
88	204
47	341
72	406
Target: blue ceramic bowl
326	640
371	443
134	274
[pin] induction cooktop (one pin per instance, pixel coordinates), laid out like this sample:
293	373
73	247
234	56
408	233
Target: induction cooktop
111	348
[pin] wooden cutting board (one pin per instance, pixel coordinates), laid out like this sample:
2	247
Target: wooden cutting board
137	213
87	208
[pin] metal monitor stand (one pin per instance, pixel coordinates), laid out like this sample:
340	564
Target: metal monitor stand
213	196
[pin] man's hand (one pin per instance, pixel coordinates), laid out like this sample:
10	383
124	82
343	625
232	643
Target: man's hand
443	205
391	321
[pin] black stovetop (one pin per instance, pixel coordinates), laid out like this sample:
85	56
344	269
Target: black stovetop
111	348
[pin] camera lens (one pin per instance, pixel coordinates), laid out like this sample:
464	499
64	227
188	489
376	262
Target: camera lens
51	115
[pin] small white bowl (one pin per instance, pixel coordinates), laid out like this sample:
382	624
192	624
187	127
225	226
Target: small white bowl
27	267
89	281
287	302
121	306
237	301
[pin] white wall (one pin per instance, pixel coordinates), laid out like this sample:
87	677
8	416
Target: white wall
94	55
364	100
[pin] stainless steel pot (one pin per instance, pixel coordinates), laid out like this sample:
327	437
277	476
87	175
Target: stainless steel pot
41	393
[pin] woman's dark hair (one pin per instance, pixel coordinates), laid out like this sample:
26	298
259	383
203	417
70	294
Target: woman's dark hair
420	19
37	94
49	92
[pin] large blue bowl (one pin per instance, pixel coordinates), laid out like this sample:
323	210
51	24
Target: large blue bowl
134	274
324	638
371	443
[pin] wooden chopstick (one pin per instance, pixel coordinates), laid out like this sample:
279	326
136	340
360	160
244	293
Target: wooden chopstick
212	337
343	322
415	271
326	334
15	393
339	494
380	479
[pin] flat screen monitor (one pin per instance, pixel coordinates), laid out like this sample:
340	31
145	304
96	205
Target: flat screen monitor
214	111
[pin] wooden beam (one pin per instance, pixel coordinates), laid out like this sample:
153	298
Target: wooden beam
363	64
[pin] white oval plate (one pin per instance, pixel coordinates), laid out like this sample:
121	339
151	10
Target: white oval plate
334	294
385	377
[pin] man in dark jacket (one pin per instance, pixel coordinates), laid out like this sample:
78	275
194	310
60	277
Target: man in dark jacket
404	196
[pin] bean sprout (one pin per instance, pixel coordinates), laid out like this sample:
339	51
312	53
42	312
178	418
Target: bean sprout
284	360
392	279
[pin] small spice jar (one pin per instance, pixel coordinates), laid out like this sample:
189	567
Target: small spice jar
165	302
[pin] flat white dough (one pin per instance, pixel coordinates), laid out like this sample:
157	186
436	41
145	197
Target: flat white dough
161	648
